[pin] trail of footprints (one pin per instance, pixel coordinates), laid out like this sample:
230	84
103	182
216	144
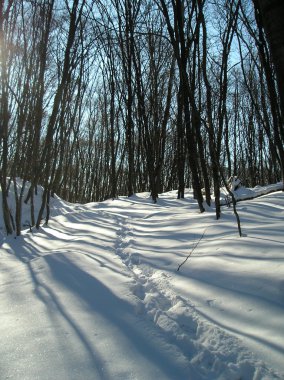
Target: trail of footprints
202	344
169	312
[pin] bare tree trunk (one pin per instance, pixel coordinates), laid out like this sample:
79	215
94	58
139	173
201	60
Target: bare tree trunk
270	16
180	43
180	145
4	114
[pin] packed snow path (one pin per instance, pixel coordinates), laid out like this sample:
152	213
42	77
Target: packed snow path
97	295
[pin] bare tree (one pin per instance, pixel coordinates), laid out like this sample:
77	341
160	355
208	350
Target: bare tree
269	17
5	13
181	42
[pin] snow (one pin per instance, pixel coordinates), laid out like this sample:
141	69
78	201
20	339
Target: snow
96	294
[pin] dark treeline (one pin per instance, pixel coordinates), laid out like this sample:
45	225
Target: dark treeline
101	98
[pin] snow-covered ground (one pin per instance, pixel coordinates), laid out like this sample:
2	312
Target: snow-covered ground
97	294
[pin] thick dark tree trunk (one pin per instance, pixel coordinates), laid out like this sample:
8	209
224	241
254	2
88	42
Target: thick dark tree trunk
271	16
272	12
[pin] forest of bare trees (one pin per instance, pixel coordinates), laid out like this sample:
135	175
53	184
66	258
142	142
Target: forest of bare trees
107	98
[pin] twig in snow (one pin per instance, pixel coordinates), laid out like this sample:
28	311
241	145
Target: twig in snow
190	253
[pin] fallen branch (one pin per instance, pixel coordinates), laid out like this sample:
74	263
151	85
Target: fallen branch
191	252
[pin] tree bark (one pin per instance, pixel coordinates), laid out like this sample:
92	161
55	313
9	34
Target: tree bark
272	14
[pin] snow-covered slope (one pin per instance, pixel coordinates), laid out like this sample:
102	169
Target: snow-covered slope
97	294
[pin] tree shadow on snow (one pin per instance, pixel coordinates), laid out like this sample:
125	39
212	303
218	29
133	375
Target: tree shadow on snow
97	299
